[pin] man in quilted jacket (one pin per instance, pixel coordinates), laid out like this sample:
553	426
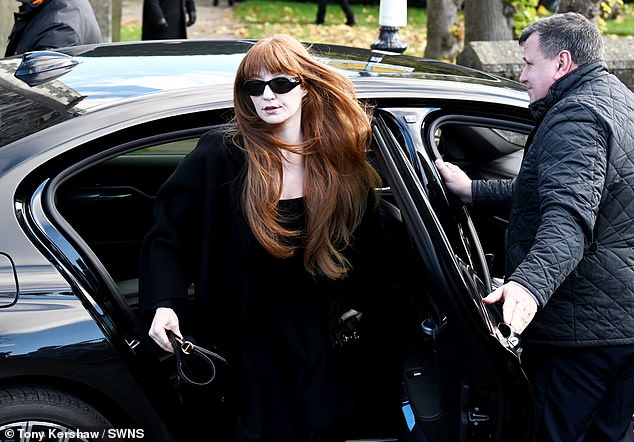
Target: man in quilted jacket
569	287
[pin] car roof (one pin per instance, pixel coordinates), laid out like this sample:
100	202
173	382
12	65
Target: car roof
41	89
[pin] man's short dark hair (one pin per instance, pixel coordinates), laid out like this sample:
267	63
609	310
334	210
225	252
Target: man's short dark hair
568	31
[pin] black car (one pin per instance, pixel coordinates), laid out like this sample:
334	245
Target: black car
89	133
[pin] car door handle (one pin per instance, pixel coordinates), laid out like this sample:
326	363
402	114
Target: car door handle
106	194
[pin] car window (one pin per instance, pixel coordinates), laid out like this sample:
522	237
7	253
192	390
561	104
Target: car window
482	151
180	147
25	110
485	148
110	205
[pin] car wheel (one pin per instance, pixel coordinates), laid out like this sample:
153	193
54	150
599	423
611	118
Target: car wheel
27	412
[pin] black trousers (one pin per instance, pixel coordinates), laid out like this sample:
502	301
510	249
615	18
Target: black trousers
321	11
582	394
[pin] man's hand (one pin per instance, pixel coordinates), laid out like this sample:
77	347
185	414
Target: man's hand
164	319
162	23
190	8
456	180
518	308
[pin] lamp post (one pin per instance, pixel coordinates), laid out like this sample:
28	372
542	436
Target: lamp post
392	15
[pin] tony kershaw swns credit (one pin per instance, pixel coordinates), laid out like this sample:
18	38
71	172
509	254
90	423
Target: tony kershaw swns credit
57	434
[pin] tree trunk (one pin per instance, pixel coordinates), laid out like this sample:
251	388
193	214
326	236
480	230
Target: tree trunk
7	9
104	14
443	30
488	20
588	8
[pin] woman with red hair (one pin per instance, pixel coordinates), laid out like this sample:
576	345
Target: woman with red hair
274	218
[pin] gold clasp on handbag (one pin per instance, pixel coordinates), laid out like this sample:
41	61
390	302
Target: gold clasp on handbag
191	350
186	346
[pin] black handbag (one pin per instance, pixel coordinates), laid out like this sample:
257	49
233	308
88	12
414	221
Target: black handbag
191	357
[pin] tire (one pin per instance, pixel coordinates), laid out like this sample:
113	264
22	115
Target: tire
28	411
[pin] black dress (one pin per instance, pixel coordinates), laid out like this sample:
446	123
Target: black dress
291	381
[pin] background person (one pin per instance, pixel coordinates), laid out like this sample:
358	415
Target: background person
167	19
345	7
230	2
571	235
274	218
50	24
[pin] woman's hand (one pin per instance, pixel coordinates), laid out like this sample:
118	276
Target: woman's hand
164	319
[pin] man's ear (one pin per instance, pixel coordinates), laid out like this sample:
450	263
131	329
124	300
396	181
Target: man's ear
564	64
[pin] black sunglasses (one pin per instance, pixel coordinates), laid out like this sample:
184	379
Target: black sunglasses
279	85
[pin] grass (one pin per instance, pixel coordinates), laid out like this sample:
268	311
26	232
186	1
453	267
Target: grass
130	31
262	18
623	25
259	18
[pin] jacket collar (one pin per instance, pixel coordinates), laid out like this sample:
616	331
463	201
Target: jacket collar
565	85
27	7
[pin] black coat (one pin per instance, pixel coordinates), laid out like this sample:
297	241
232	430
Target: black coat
53	24
173	11
200	235
571	229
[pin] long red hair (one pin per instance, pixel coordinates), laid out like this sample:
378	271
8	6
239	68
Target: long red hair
337	136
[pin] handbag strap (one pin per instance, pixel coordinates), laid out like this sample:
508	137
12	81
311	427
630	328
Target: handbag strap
185	350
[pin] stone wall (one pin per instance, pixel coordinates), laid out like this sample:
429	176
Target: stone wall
108	13
505	58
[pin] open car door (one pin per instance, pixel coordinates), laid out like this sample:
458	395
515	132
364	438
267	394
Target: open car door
462	375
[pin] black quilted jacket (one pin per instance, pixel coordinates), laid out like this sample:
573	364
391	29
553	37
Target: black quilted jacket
571	230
